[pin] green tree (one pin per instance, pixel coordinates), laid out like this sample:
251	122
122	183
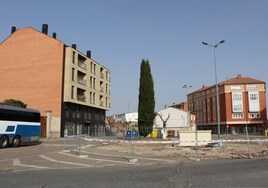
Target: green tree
146	100
13	102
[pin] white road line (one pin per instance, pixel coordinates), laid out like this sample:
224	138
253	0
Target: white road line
127	156
106	160
17	162
124	156
64	162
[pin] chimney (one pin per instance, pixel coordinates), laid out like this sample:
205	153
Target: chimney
74	46
239	76
54	35
89	54
45	28
13	29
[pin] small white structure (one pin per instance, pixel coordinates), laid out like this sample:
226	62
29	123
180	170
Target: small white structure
172	120
189	138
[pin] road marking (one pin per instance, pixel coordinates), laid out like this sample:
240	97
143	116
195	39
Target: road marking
17	162
64	162
106	160
127	156
122	156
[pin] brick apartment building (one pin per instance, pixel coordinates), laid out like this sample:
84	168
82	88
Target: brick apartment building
67	86
242	102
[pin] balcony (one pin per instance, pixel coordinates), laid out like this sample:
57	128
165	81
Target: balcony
82	81
82	65
81	95
81	98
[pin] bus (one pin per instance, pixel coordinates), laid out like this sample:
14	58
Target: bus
18	125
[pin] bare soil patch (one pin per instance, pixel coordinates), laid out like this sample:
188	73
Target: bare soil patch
227	150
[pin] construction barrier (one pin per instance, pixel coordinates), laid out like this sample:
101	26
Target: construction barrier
170	141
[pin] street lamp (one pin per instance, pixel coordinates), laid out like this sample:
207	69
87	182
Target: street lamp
216	82
186	89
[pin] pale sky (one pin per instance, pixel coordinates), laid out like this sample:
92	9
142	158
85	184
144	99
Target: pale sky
169	33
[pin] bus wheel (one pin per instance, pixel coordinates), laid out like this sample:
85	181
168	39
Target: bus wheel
16	141
4	142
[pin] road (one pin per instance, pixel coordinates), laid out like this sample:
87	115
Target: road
59	163
54	154
222	173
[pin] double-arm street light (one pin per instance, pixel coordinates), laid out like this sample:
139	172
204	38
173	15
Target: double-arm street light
186	89
216	82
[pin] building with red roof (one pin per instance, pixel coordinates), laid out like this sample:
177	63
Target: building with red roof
242	103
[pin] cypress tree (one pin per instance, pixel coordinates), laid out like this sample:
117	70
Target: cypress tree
146	100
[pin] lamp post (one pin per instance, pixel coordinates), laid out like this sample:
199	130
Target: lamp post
216	82
186	89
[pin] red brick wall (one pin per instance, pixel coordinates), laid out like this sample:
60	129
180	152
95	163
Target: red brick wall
31	70
227	108
262	98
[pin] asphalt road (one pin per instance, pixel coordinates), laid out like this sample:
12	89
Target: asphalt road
47	164
220	173
54	154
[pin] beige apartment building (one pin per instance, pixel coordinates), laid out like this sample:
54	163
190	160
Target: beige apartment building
65	85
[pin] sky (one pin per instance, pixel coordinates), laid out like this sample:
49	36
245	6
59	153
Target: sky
168	33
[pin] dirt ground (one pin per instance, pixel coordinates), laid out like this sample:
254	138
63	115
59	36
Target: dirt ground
228	150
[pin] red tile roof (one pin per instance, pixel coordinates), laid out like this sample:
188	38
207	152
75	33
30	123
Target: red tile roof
241	80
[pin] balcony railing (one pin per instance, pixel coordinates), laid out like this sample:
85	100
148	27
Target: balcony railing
82	65
82	81
81	98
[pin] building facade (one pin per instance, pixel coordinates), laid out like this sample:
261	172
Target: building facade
67	86
175	120
242	103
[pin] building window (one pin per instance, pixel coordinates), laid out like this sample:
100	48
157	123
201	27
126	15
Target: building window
73	60
254	115
107	75
235	86
106	89
94	83
77	113
91	80
91	67
237	103
237	108
73	113
67	112
73	74
253	101
72	92
237	115
253	96
90	97
252	86
85	115
93	98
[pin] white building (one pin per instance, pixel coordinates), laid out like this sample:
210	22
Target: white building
175	120
127	117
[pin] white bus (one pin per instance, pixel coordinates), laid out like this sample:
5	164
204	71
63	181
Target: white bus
18	125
